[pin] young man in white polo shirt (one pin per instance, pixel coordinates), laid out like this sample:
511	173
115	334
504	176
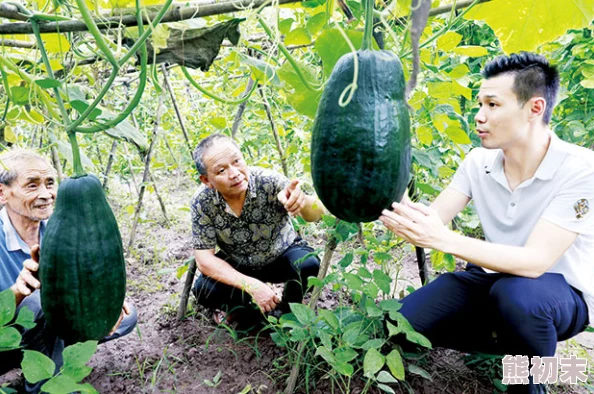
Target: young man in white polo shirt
530	284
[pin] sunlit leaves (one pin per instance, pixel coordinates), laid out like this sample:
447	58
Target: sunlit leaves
299	36
331	46
448	41
525	24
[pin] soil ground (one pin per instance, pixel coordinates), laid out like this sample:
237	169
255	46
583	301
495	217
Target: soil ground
194	356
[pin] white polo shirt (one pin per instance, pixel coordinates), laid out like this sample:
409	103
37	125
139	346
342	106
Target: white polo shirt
561	191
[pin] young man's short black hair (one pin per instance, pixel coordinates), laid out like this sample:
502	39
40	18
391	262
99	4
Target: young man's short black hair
534	76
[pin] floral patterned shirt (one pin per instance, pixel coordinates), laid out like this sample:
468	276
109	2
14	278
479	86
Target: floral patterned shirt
259	235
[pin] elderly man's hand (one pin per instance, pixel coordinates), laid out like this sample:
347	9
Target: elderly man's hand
292	198
125	312
27	282
263	295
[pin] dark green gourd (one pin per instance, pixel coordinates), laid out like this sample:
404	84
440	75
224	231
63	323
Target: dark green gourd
361	154
82	267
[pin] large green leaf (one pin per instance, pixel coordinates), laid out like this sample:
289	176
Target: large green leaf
9	338
26	318
124	130
373	362
331	46
304	101
525	24
75	358
37	366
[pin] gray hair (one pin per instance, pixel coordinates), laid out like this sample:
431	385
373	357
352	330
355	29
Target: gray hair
9	158
204	146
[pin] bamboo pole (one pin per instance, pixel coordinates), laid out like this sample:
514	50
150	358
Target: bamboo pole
328	252
175	106
279	148
145	178
110	159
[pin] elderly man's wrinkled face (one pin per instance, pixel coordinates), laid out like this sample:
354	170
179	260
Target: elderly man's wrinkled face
32	194
226	171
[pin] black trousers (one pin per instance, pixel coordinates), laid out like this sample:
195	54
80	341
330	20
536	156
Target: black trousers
292	268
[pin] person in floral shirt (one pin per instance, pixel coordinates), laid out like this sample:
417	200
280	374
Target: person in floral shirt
246	213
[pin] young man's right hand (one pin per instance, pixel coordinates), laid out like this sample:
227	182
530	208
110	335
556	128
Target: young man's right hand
264	296
27	282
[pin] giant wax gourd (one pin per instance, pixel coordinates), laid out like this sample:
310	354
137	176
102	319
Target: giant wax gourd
360	152
82	267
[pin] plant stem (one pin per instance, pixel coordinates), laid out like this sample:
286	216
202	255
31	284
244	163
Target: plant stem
279	148
214	96
368	35
288	56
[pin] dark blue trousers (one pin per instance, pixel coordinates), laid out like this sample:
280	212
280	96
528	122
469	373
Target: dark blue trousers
293	268
475	311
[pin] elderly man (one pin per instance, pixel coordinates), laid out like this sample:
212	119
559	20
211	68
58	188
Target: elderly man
532	281
28	190
246	213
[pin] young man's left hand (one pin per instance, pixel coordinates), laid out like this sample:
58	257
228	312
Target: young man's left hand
417	224
292	198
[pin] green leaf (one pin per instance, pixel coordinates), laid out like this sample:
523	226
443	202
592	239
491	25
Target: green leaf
448	41
75	358
302	99
81	106
316	23
124	130
7	306
353	281
284	26
345	354
425	135
373	344
588	83
461	70
48	83
303	313
37	366
392	305
10	338
372	309
7	390
343	368
471	51
329	317
331	46
450	262
61	384
326	354
261	70
371	289
380	257
364	273
26	318
326	339
299	36
533	23
385	388
457	135
382	280
415	369
385	377
394	361
373	362
346	260
20	95
392	329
